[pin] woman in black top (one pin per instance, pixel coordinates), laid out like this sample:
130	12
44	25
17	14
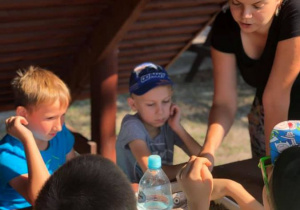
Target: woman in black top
261	38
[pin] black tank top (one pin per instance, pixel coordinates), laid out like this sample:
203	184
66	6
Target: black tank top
226	38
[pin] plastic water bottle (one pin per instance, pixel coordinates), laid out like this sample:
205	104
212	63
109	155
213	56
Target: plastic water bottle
154	187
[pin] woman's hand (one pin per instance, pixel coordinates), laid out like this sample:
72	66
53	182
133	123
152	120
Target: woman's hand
210	158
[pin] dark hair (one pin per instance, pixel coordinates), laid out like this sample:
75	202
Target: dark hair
285	181
87	182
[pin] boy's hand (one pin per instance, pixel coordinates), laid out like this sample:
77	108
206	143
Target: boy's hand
196	181
15	126
174	119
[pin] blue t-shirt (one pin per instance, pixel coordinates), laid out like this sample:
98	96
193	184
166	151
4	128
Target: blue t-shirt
132	128
13	164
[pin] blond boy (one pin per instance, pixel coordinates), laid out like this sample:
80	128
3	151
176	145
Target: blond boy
155	128
37	142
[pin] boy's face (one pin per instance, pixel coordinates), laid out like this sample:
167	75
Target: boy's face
154	106
46	120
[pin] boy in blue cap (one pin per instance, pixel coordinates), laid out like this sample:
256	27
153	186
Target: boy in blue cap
155	128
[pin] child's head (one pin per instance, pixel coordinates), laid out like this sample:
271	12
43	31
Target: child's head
88	182
285	180
151	93
42	98
35	86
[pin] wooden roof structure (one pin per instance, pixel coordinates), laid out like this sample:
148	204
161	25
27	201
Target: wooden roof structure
94	44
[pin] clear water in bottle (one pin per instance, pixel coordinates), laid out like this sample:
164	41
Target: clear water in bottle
154	187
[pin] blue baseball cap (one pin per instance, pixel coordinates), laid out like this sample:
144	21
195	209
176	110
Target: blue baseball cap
147	76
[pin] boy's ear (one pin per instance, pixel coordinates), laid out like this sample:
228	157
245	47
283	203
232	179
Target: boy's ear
131	103
21	111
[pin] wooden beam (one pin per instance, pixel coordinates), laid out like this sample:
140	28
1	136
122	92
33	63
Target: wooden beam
6	98
42	25
180	12
106	36
169	23
38	35
124	52
38	54
155	41
50	13
45	62
128	67
134	60
138	34
104	79
8	106
122	89
38	45
167	4
6	92
21	4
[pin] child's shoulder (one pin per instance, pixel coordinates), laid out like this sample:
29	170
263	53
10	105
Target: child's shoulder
132	123
10	147
131	118
9	141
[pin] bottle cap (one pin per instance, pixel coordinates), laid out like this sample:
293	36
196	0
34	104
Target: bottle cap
154	162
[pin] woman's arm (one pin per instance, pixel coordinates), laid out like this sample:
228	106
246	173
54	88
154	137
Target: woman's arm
224	104
276	97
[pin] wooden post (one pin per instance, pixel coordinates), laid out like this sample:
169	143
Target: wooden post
104	84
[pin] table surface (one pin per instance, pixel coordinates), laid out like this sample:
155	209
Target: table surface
246	172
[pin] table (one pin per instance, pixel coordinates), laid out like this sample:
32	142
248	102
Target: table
246	172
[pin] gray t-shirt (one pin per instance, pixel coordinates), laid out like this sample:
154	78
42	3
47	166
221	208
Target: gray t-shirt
132	128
